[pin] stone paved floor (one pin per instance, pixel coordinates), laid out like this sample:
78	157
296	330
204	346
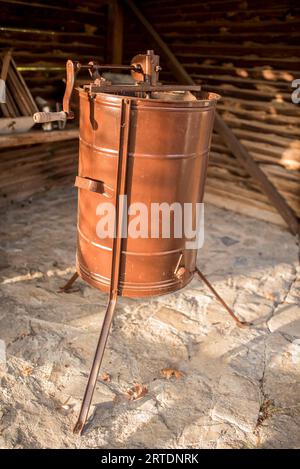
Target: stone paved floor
240	388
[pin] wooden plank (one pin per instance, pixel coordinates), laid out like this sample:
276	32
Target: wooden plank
266	153
273	50
27	44
267	117
267	138
37	136
50	36
4	106
35	171
214	26
45	10
263	73
259	176
18	94
30	58
284	183
40	182
68	19
36	168
264	37
115	32
239	151
281	63
213	6
28	153
278	107
242	82
233	91
255	125
198	14
13	110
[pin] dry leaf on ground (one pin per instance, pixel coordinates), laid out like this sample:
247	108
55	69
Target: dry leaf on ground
26	371
64	405
270	296
136	392
105	377
171	372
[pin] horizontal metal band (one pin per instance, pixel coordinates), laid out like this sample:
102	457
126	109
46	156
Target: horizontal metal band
129	253
114	101
147	286
114	153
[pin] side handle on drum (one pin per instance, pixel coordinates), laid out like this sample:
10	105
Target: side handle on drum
93	185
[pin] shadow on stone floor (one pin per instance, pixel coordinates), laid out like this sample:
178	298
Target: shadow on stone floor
186	330
245	403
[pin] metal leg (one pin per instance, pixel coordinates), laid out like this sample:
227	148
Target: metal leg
115	263
229	310
69	283
89	391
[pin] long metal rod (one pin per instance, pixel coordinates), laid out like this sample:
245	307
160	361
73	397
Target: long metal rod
90	387
216	294
115	266
140	87
109	67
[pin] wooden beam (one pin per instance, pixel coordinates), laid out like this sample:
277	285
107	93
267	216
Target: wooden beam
115	32
238	150
175	66
4	72
36	136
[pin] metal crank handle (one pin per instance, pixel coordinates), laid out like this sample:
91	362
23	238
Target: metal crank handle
42	117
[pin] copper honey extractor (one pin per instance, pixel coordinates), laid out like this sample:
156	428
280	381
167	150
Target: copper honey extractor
137	141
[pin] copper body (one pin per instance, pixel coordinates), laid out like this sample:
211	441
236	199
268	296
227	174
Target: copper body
167	161
135	141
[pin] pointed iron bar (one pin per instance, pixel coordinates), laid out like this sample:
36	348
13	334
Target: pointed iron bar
89	391
115	265
216	294
69	283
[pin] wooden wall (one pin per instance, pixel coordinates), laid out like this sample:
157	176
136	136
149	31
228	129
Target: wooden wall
28	170
249	52
43	35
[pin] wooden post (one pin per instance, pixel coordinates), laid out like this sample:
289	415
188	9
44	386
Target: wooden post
232	142
115	32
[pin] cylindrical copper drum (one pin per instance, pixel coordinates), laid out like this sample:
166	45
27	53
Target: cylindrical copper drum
167	162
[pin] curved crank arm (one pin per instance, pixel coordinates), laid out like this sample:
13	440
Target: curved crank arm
72	68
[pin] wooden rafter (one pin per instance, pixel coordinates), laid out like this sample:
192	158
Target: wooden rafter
115	32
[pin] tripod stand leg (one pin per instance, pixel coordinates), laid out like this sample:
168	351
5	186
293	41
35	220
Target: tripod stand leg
69	283
216	294
90	387
115	262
